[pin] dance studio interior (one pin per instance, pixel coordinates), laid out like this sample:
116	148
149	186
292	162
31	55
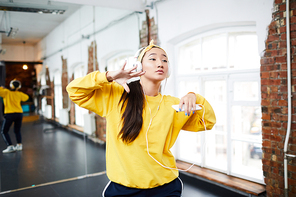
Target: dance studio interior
239	55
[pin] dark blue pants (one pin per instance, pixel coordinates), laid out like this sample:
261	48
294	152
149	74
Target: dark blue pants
172	189
15	118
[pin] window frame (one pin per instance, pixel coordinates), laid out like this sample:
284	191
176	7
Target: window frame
127	54
43	101
58	98
230	75
77	108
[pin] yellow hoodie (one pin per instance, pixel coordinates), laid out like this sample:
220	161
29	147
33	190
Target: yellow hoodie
129	164
12	100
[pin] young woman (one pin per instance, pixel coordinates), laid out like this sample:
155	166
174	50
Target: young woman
142	126
13	113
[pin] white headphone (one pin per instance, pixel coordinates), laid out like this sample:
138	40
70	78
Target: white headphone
139	64
12	86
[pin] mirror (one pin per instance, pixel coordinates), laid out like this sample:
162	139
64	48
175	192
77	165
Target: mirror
58	147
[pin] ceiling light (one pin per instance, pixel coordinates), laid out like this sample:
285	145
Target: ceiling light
25	67
41	9
12	32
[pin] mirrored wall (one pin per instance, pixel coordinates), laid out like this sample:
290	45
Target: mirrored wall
61	145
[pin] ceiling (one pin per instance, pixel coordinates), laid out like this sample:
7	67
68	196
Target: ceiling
24	23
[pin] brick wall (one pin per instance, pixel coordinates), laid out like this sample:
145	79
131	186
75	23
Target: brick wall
48	83
149	31
65	83
92	49
100	121
275	103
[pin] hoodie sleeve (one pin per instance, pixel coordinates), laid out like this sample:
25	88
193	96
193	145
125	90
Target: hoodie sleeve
3	92
95	93
201	120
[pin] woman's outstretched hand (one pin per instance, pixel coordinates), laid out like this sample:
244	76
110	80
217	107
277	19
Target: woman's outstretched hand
121	76
189	102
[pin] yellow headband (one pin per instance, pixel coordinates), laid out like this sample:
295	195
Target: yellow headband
150	46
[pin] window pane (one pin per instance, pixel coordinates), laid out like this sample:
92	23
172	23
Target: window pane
246	120
43	105
190	146
216	139
57	93
189	142
57	100
190	57
214	52
188	86
216	150
79	111
117	62
215	93
43	100
243	51
246	91
246	159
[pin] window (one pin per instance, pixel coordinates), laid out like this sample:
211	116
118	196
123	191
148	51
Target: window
223	51
79	111
58	93
43	100
116	62
224	67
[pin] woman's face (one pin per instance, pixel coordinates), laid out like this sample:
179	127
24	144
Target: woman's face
155	63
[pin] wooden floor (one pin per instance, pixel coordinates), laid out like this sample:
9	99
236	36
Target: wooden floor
230	181
30	117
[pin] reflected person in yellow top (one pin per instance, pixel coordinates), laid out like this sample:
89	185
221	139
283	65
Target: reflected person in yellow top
142	126
13	113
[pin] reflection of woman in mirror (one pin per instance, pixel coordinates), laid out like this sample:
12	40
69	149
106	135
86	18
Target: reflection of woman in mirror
13	113
142	126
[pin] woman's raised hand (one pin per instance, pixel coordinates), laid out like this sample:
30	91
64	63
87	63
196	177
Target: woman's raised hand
122	75
189	102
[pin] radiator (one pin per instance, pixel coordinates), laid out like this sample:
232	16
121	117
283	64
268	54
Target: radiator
47	112
64	117
89	124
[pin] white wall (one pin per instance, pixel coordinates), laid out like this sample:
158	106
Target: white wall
25	53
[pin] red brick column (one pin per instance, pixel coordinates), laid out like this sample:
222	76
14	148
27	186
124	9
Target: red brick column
65	83
274	102
92	49
100	121
100	127
48	83
149	31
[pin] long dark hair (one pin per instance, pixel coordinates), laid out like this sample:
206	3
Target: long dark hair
132	117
